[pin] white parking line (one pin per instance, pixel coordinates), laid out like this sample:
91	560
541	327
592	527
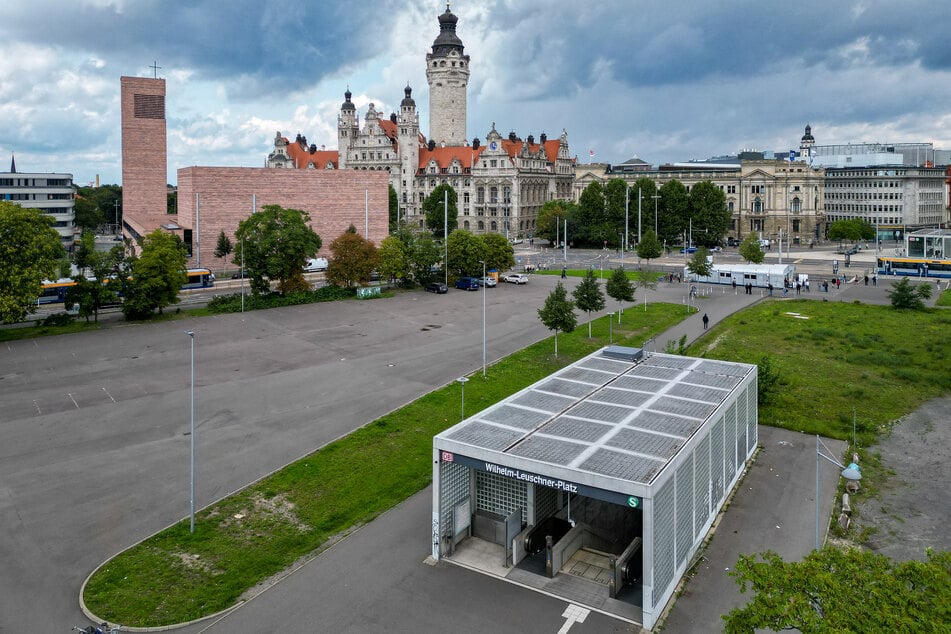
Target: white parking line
109	395
574	614
72	399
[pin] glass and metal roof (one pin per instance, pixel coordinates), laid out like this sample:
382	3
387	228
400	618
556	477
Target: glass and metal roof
613	414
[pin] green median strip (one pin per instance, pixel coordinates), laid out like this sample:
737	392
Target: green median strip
246	539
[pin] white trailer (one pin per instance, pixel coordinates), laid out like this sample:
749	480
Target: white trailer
760	275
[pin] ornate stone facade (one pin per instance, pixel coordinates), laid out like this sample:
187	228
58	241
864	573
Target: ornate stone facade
500	185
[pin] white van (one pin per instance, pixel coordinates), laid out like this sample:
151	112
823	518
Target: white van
312	265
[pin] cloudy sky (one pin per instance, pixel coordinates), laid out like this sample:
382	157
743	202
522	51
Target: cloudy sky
667	80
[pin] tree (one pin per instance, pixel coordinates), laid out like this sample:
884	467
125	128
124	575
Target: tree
466	251
498	252
751	251
277	242
354	260
88	214
588	296
557	313
224	247
835	590
699	264
619	288
424	255
171	202
30	249
108	202
673	212
649	247
158	273
904	295
394	261
101	286
708	212
853	230
394	211
588	222
551	217
435	211
616	202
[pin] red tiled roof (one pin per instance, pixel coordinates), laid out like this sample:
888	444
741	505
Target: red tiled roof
319	158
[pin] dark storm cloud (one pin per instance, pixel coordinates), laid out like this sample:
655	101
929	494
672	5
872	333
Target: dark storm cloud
661	43
283	42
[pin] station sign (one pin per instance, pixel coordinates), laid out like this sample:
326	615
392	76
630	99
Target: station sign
606	495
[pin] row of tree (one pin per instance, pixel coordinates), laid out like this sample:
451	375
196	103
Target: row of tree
558	311
606	213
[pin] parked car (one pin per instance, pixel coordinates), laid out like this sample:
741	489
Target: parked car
437	287
240	274
315	264
487	281
716	249
689	250
515	278
467	283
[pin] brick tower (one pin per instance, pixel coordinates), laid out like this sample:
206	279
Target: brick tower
144	154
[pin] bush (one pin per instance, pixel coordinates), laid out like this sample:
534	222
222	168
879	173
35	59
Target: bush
232	303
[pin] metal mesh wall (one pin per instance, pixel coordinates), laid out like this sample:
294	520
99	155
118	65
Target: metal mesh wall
454	487
546	503
729	443
752	433
716	463
664	540
701	485
684	511
498	494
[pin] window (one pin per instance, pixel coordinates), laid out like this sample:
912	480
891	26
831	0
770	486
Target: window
494	195
480	195
796	205
756	189
757	206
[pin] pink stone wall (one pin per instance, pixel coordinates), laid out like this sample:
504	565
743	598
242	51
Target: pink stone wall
333	198
144	162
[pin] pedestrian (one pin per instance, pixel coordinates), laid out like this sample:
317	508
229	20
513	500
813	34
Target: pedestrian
770	287
564	273
866	280
706	321
875	279
734	286
807	285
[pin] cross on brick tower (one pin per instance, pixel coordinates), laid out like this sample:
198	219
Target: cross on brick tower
155	68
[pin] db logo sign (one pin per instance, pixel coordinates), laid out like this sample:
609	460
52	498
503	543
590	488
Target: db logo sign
447	456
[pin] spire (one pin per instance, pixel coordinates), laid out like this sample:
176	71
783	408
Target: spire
13	164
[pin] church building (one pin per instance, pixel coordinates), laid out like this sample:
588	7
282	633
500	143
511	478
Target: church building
500	184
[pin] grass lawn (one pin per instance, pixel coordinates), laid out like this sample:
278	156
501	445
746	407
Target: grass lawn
833	357
243	540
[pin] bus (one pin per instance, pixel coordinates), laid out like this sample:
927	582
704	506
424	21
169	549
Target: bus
915	267
54	292
199	278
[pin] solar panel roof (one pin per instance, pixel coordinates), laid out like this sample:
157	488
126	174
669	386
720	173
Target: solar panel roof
607	416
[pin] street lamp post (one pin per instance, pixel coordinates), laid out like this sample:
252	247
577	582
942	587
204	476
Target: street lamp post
445	234
484	289
462	381
656	197
851	472
191	335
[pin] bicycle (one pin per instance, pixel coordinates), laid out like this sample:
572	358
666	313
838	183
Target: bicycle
103	628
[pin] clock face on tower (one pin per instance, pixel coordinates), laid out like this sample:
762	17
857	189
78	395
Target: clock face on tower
493	145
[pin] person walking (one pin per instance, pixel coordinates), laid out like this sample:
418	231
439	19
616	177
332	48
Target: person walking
706	321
